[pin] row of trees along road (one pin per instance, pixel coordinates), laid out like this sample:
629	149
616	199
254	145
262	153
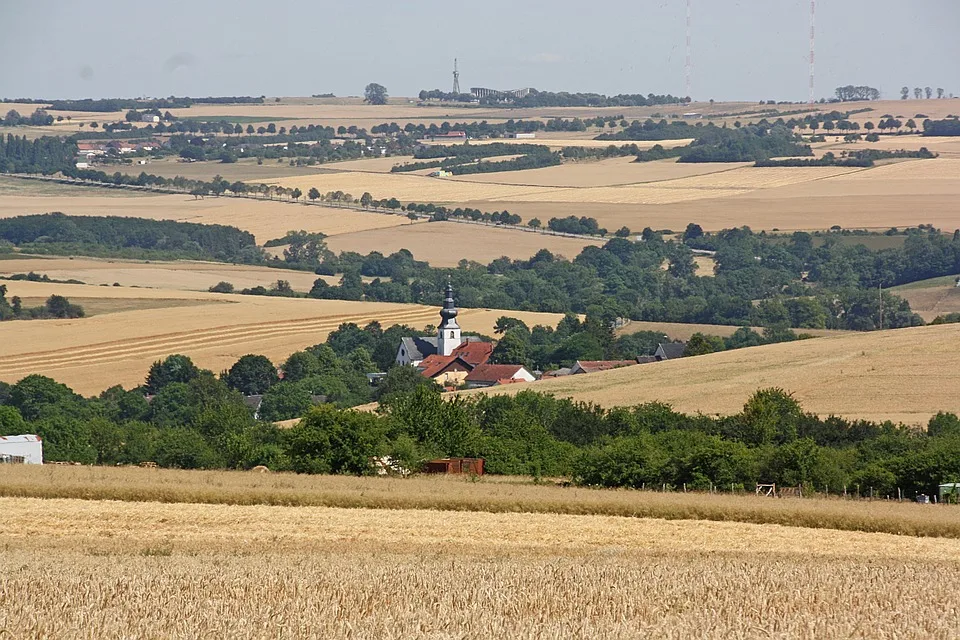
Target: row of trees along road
919	93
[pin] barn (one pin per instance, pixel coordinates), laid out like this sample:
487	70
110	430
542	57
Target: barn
25	449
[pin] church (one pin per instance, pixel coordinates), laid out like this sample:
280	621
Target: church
447	358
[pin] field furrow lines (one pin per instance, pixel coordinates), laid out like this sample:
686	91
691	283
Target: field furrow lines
206	339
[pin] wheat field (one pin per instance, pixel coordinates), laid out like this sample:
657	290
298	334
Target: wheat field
854	375
489	494
97	568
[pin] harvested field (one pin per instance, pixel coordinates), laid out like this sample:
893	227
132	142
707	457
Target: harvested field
611	172
91	354
444	244
227	571
266	219
100	306
180	274
932	298
896	195
855	375
406	187
705	265
947	147
588	143
683	331
244	169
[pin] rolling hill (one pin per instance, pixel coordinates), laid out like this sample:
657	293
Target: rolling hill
904	375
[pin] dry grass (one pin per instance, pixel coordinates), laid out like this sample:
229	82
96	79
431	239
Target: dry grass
492	494
855	375
99	569
932	298
444	244
90	354
182	274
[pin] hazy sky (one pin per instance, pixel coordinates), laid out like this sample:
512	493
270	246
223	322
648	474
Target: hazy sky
746	49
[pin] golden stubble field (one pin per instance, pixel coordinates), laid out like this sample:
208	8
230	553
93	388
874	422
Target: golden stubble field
100	568
185	275
91	354
855	375
932	298
265	219
444	244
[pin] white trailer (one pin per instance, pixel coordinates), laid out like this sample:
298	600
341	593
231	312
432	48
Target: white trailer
26	449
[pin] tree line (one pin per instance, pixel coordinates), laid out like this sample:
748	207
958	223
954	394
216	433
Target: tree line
59	234
833	285
194	419
44	155
54	307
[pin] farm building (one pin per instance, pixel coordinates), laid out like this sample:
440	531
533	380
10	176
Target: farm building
25	449
670	350
451	136
522	136
491	375
149	117
472	466
592	366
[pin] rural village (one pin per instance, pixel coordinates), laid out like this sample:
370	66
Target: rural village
655	335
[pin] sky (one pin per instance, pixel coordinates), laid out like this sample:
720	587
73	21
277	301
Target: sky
741	49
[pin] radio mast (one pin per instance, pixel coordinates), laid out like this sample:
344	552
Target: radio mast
456	78
688	65
813	41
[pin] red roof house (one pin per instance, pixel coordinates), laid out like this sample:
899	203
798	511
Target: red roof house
489	375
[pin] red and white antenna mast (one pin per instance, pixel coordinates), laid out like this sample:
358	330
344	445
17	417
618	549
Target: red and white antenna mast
813	41
688	65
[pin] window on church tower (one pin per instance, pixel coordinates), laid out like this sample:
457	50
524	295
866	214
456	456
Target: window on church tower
451	334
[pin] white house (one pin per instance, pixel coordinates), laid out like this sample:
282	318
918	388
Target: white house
26	449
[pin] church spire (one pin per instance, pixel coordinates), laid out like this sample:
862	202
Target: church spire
448	333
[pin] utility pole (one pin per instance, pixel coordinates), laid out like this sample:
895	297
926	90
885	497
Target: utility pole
881	305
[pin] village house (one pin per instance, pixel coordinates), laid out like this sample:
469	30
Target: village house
491	375
670	351
592	366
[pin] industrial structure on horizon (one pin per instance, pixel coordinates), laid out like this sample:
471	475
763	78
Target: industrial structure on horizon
481	92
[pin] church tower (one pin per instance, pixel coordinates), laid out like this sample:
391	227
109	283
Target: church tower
448	335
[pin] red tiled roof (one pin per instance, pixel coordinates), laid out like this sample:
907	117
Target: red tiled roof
494	372
476	353
434	365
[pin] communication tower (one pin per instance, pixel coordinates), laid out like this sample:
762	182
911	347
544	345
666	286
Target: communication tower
813	22
688	65
456	78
